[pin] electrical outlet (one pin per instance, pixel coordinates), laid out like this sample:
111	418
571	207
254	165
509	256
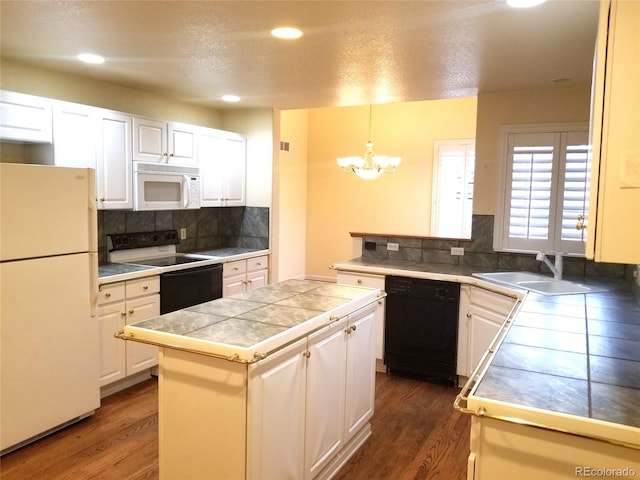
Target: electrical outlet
183	234
394	247
369	245
457	250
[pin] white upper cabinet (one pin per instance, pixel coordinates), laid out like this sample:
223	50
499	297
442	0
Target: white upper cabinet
157	141
74	138
25	118
222	162
113	154
613	225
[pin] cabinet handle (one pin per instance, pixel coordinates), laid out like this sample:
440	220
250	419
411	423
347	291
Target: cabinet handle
235	269
107	295
258	264
359	281
145	287
102	199
306	354
353	328
468	315
131	312
123	314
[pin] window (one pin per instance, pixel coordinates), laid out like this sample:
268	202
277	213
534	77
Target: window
452	203
545	188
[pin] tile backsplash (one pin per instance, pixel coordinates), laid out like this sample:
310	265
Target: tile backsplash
207	228
479	253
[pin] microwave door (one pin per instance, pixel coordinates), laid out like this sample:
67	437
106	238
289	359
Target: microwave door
186	192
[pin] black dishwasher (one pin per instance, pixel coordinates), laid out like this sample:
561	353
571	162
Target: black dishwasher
421	328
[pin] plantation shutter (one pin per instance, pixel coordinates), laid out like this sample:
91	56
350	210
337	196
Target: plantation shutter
547	188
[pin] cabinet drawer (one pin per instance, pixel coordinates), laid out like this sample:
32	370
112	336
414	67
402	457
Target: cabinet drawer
361	280
257	263
143	286
234	268
111	292
491	301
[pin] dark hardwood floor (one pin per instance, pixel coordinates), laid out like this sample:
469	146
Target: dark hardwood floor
416	435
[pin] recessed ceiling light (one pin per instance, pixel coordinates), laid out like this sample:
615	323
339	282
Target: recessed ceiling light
90	58
287	33
231	98
524	3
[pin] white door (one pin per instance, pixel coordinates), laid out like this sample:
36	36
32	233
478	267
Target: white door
113	174
111	319
483	327
361	370
48	345
235	158
140	356
325	396
277	415
210	144
181	144
74	135
37	200
257	279
149	140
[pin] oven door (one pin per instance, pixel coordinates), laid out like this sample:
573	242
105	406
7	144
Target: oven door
185	288
165	191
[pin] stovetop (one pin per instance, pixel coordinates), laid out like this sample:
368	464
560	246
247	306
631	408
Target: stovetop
168	260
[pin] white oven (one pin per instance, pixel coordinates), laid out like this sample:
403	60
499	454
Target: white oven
165	187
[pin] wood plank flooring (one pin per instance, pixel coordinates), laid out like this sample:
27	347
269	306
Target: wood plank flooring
416	435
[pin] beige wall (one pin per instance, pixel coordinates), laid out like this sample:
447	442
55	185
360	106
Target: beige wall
23	78
289	213
510	108
399	203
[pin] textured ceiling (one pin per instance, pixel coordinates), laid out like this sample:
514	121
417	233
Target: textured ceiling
351	53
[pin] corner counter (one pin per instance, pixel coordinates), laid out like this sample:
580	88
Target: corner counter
563	371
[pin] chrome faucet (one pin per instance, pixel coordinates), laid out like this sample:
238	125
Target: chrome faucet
555	269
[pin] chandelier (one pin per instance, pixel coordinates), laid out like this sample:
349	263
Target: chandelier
370	165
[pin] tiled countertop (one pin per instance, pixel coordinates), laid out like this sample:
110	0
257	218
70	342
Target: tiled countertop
117	272
571	355
256	321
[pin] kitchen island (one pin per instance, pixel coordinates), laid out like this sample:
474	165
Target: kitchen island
557	393
276	382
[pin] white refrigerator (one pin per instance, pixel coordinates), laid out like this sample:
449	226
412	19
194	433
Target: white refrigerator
49	353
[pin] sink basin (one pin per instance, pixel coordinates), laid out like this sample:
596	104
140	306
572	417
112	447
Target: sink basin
537	283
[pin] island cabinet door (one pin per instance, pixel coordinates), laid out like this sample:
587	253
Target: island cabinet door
325	396
361	370
276	415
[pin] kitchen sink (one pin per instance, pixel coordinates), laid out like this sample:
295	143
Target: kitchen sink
537	283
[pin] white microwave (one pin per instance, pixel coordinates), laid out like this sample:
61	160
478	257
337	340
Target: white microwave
165	187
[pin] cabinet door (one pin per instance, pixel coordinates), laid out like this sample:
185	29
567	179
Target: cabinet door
25	118
325	396
140	356
210	144
149	140
111	318
361	370
113	173
74	135
276	415
257	279
235	159
181	144
483	327
614	227
234	284
373	281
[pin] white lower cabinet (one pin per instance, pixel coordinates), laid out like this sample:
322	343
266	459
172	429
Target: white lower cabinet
482	313
372	281
300	413
338	371
119	304
244	275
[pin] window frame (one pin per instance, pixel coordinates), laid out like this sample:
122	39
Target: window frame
503	190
